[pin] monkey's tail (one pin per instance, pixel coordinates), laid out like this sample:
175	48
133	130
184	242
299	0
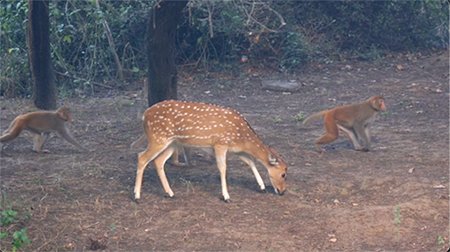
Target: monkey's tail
139	142
314	117
13	131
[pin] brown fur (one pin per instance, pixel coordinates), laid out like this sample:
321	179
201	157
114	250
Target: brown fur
40	124
171	123
175	156
351	119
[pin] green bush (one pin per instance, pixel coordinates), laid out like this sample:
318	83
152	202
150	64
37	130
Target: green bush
284	34
18	238
388	25
14	71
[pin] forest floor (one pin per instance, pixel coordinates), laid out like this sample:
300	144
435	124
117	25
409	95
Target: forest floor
393	198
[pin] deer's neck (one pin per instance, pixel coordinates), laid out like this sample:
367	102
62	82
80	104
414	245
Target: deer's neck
258	150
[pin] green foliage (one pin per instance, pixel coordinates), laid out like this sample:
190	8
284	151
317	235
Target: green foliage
387	25
13	58
397	215
20	239
295	51
83	54
440	240
299	117
11	232
8	217
282	34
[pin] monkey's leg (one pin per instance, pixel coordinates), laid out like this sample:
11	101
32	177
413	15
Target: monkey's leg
331	132
361	135
140	141
65	133
351	134
369	137
38	142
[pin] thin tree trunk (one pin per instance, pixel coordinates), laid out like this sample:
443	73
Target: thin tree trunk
161	51
44	91
112	45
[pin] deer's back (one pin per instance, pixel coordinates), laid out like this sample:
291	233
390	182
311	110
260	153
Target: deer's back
196	123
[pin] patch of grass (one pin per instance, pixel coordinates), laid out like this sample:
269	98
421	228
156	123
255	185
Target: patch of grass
8	217
12	232
397	215
299	117
385	113
187	184
440	240
19	238
277	119
112	227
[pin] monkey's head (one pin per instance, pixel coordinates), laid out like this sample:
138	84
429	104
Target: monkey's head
377	103
64	113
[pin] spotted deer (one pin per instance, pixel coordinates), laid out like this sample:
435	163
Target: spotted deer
170	123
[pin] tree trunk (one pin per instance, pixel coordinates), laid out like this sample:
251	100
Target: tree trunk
161	51
44	91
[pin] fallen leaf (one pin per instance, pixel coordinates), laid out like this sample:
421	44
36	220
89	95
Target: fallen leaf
411	170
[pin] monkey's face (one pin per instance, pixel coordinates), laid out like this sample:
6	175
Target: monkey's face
378	103
65	114
381	104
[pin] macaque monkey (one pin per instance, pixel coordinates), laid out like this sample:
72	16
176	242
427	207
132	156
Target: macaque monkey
352	119
40	124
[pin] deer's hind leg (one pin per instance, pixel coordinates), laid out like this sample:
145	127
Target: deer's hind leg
159	164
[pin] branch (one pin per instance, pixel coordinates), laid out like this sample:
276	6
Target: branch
210	21
112	46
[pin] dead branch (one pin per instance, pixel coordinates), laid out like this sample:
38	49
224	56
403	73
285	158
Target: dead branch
111	43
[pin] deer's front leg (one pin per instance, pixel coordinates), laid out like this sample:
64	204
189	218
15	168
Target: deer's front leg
252	165
221	159
159	164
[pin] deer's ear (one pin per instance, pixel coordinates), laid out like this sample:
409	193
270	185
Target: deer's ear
272	160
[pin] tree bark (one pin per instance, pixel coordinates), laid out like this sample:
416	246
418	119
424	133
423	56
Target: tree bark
161	51
44	91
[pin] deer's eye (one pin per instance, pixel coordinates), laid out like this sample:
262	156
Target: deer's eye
283	175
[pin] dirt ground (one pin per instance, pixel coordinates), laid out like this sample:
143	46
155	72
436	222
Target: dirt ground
393	198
